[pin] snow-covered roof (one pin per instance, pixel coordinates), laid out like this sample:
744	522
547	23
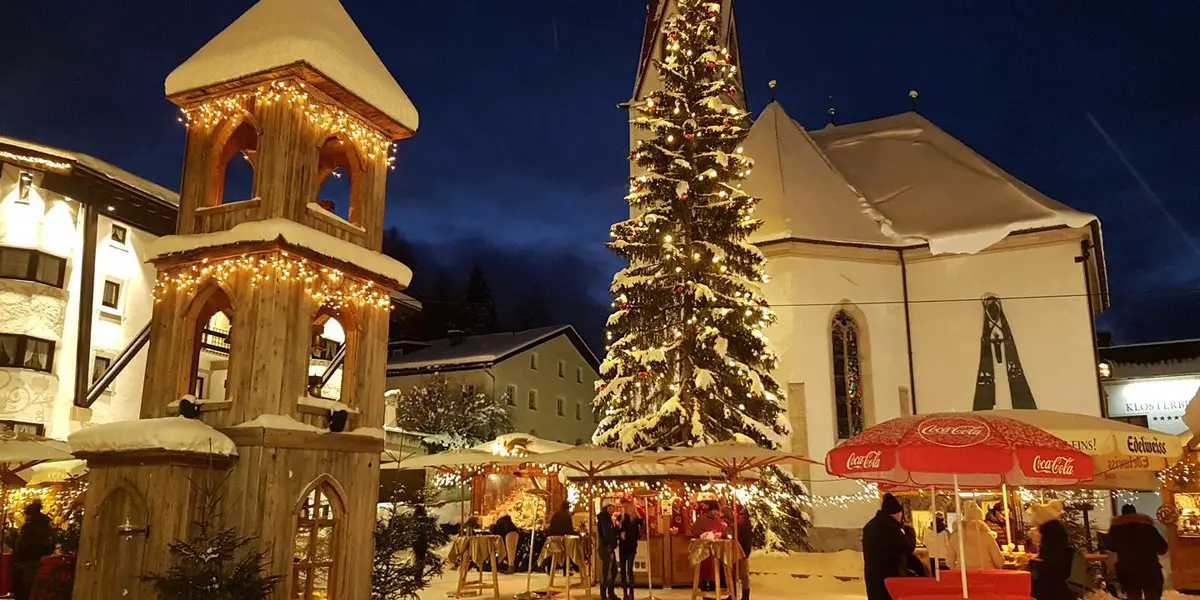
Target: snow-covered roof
482	350
279	33
803	195
895	181
98	166
531	443
176	434
289	232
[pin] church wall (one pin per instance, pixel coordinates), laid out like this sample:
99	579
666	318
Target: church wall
1044	298
806	292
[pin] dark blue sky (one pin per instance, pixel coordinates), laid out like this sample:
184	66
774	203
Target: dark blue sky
520	159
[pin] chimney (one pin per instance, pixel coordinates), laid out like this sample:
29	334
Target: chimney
456	336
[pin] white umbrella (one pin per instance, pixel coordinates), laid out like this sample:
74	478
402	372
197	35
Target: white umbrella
734	459
460	463
20	451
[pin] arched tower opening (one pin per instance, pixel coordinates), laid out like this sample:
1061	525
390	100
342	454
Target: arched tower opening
339	175
232	164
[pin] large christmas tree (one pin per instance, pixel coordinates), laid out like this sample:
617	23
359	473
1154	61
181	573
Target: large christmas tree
687	359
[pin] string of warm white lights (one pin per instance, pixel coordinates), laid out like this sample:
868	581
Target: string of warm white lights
750	493
327	286
327	117
36	161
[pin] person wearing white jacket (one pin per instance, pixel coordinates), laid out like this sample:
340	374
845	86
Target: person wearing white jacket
937	541
979	548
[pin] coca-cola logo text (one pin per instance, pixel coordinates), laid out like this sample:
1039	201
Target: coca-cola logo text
864	462
954	432
1058	465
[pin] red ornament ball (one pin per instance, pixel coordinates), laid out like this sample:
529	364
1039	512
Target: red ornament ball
689	135
679	289
643	374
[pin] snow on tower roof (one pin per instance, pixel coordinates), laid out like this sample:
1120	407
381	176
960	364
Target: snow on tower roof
175	434
803	195
279	33
920	182
290	232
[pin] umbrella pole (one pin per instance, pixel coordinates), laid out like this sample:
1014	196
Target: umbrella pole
962	547
532	539
1007	523
937	573
733	585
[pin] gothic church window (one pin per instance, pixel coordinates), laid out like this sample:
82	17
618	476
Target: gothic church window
847	376
313	564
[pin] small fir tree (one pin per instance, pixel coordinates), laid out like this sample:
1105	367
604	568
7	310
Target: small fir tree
404	534
480	308
214	563
452	416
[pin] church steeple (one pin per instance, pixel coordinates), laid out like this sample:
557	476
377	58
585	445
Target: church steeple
657	14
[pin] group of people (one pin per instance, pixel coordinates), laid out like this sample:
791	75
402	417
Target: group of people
618	530
889	547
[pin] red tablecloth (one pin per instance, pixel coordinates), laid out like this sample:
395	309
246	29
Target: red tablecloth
981	583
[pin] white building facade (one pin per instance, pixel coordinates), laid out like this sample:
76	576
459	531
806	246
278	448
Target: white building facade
910	275
75	290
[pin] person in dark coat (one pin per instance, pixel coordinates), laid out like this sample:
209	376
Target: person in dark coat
885	549
510	534
744	535
607	536
1052	567
630	530
1138	545
34	541
995	522
560	521
915	566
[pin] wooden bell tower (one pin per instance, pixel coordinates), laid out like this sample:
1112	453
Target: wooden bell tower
294	89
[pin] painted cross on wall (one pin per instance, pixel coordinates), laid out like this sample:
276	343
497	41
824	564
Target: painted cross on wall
998	348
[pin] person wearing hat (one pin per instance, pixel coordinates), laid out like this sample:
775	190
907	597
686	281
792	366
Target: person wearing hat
1051	569
34	541
1138	545
979	549
885	548
937	540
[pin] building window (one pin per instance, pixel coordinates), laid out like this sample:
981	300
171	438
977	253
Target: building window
847	376
533	361
562	370
100	365
532	400
119	235
111	298
24	184
578	374
313	559
560	406
22	427
24	352
578	411
510	395
32	265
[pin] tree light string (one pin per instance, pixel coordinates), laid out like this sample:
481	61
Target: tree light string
328	286
327	117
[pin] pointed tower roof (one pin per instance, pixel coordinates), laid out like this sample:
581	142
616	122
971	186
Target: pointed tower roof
803	195
656	16
920	182
319	40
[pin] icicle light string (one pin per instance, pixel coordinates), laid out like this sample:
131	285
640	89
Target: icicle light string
327	286
326	117
749	493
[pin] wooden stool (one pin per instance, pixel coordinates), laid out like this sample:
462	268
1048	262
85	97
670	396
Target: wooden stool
568	549
471	588
719	567
566	587
465	553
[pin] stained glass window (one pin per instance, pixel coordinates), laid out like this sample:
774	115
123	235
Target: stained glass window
313	564
847	376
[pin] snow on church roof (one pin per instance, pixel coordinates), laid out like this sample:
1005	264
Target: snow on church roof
903	177
803	196
278	33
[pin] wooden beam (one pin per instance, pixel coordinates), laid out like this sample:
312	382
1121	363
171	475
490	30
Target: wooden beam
87	295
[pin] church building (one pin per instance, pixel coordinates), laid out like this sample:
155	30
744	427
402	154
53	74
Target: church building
909	275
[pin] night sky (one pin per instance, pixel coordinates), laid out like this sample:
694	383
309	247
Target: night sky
520	163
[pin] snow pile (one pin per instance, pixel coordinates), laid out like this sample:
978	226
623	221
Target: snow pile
325	403
289	232
823	573
175	434
277	33
374	432
268	421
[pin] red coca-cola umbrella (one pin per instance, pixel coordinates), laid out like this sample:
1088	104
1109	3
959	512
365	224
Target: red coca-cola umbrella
967	450
960	450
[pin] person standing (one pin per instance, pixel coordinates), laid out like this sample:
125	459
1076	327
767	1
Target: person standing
631	533
995	522
607	536
980	550
885	551
1051	569
34	541
937	541
560	521
510	534
712	523
1138	545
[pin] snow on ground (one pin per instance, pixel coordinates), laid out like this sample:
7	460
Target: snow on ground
825	576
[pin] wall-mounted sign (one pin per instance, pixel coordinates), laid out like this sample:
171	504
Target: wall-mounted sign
1161	401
